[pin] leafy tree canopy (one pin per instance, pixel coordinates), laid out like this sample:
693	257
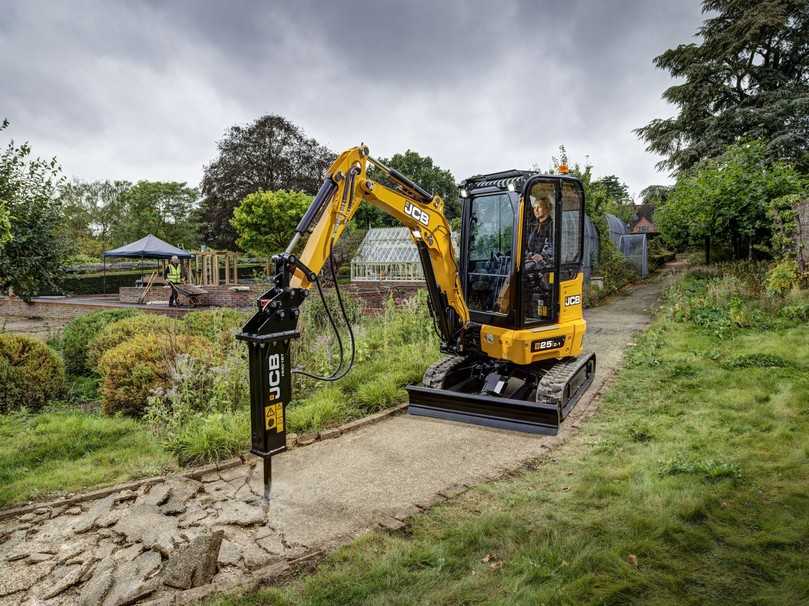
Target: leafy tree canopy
748	78
655	194
93	210
165	209
423	171
265	221
268	155
726	199
32	260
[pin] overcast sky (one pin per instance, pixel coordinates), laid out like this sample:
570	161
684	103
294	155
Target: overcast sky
143	90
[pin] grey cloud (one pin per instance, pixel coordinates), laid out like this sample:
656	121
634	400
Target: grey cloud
126	90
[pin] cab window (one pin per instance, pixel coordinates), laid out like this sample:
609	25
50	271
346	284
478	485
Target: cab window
571	223
489	268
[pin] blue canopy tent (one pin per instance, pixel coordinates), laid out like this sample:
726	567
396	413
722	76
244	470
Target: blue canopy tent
148	247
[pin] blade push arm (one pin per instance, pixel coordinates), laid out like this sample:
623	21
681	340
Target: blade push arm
346	186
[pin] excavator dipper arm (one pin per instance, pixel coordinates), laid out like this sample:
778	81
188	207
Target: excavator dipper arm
345	188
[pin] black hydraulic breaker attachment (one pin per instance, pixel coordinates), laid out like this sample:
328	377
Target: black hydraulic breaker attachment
268	334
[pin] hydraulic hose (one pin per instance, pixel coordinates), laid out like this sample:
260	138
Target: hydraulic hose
339	372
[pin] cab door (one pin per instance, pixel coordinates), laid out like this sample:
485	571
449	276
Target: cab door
552	248
539	259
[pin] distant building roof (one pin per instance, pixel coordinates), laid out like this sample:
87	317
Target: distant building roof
644	214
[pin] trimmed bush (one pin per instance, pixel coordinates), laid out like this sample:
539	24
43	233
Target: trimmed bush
120	331
30	373
216	325
134	369
80	332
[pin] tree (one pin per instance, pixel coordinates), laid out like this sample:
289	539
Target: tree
618	202
165	209
614	188
655	194
265	221
423	171
748	78
268	155
32	260
91	211
723	201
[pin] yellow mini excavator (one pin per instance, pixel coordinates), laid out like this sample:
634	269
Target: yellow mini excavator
508	312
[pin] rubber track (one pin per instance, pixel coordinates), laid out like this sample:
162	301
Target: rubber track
552	384
434	376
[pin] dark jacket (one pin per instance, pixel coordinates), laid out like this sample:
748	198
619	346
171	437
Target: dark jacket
540	240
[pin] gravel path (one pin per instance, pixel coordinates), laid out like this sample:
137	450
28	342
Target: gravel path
177	541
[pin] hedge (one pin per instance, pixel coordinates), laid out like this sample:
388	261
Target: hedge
80	332
133	370
31	373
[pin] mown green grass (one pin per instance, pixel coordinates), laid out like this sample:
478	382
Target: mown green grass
688	487
65	450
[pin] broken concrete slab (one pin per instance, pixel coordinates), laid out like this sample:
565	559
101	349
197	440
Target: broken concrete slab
96	510
241	514
195	564
119	583
146	524
71	578
155	495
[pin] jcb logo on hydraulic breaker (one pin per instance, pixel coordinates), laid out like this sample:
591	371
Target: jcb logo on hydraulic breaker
573	300
418	214
274	376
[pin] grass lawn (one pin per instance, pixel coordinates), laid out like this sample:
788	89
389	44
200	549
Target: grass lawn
690	486
65	450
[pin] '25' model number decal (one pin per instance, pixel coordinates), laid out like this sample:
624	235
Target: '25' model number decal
418	214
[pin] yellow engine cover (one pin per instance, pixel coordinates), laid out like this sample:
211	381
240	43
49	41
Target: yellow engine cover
551	341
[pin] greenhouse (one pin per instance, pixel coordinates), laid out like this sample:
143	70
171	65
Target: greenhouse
387	254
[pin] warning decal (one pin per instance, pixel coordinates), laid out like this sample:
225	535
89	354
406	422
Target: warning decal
274	417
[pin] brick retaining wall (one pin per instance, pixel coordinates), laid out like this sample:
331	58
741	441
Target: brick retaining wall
219	296
374	294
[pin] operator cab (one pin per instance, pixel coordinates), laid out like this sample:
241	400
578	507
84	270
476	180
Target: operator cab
521	235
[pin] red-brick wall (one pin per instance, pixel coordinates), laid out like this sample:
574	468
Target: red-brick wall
374	294
219	296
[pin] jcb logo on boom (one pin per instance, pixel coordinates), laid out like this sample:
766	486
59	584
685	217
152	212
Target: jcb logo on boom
573	300
274	376
418	214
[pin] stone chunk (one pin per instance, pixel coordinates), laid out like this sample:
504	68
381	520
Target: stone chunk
71	578
146	524
181	491
157	495
194	565
97	509
240	514
118	583
230	553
